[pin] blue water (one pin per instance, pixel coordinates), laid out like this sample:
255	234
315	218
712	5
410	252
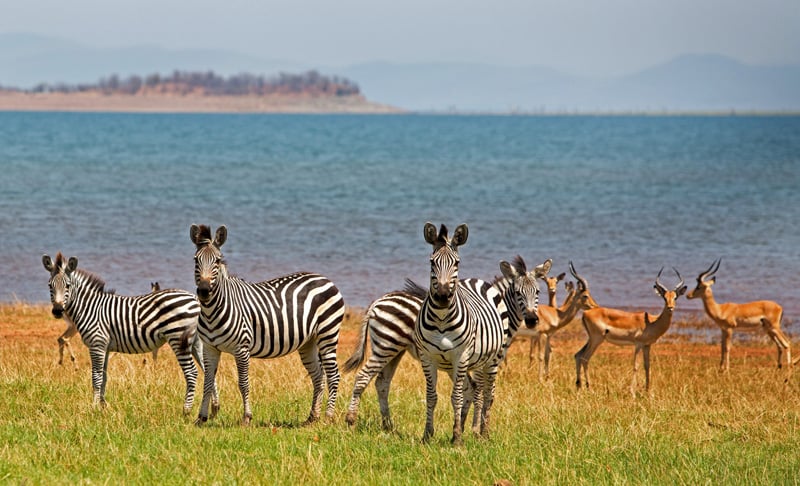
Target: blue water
347	196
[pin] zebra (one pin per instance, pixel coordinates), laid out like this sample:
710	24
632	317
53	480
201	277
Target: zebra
460	328
110	323
298	312
389	322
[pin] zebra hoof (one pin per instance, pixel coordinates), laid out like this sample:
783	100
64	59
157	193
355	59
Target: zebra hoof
246	420
350	418
214	410
200	421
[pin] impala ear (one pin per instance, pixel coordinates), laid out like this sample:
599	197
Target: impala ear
460	235
542	270
561	276
221	236
658	290
680	291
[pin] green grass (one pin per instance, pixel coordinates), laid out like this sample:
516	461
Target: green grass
696	427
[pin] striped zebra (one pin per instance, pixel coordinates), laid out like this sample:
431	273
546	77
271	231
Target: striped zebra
460	328
298	312
389	322
110	323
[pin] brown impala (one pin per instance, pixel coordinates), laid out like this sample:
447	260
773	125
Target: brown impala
620	327
765	314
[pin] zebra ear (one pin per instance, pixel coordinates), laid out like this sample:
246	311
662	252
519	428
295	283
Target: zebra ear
221	236
72	264
508	270
47	262
194	234
542	270
430	233
460	235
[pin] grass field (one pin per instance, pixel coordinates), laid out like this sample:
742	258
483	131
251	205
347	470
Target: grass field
695	427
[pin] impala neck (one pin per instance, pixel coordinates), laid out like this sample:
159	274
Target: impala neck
570	308
711	306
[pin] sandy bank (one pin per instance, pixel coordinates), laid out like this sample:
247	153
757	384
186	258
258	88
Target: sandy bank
169	103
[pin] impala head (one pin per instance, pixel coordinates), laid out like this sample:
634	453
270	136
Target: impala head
669	296
444	261
524	288
552	283
60	281
704	281
207	258
585	299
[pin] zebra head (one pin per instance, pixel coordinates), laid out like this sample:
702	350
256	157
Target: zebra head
524	288
444	261
207	258
60	281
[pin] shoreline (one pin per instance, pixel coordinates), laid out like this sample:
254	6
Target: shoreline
167	103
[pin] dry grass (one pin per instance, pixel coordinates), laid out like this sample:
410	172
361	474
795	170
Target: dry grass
696	426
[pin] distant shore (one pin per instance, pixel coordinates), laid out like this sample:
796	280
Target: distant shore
175	103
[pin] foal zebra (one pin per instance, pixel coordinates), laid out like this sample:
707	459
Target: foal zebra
298	312
461	327
389	322
113	323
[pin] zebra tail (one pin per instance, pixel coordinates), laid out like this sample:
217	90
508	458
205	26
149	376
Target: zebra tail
187	339
359	354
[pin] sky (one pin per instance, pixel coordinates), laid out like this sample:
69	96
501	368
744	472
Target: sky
583	37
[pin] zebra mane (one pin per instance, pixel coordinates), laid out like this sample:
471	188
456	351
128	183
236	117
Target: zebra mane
93	281
204	234
519	265
415	289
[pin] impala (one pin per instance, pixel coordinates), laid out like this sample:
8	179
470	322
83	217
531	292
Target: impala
729	316
552	318
621	328
552	286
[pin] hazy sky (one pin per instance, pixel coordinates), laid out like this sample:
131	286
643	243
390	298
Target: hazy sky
595	37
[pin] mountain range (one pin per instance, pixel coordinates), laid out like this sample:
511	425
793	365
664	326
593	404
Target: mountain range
688	83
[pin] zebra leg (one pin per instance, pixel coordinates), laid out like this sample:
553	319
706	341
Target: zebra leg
488	400
330	366
382	384
211	357
472	397
198	352
430	398
309	354
186	363
243	370
99	357
376	364
457	401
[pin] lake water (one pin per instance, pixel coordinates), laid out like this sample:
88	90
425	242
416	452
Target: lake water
347	196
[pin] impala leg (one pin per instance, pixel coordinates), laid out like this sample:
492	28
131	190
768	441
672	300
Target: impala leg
636	351
547	353
534	343
646	357
725	360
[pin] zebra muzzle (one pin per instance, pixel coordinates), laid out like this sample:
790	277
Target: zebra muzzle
58	311
531	322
